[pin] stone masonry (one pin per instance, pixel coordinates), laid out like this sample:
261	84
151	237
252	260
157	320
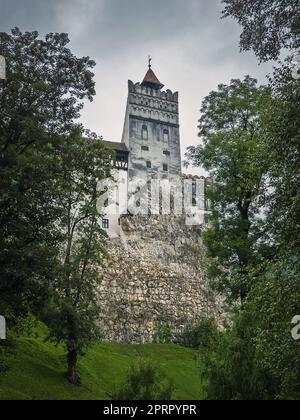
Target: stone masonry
153	275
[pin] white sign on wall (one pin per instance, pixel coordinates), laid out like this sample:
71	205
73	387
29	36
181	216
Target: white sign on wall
2	68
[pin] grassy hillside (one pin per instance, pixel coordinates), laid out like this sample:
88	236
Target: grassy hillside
36	370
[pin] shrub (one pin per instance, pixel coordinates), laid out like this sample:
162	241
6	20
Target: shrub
163	334
202	335
144	382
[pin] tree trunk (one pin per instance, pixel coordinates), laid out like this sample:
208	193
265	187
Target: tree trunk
72	356
243	207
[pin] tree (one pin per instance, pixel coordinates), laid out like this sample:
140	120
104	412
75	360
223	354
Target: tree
51	241
235	155
269	26
283	128
256	358
273	303
39	103
72	312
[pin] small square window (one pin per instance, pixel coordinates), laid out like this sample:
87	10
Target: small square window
145	148
105	224
167	153
149	165
165	167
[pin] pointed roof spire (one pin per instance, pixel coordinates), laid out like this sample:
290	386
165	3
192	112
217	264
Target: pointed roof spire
150	80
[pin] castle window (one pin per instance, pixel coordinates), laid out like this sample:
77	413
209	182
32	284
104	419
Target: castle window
167	153
105	224
149	165
133	128
165	167
207	205
166	135
145	148
145	132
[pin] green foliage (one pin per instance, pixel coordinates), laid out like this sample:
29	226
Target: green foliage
163	333
274	301
283	127
39	103
235	154
51	240
268	26
72	309
36	370
3	364
253	243
230	368
251	148
200	336
144	383
256	357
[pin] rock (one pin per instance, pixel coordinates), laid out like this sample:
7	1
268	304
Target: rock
152	282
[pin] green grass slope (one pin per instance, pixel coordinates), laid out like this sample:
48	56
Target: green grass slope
36	370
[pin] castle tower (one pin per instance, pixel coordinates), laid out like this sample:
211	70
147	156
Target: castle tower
151	129
150	149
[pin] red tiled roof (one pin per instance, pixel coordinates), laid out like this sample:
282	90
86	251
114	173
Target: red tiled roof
150	80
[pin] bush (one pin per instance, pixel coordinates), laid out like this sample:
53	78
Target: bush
202	335
7	351
163	334
144	382
256	357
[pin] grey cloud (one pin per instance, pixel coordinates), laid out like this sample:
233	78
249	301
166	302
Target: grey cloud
111	24
193	49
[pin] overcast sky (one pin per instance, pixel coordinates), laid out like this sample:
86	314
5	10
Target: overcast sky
193	50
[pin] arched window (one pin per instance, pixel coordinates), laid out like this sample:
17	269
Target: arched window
145	132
